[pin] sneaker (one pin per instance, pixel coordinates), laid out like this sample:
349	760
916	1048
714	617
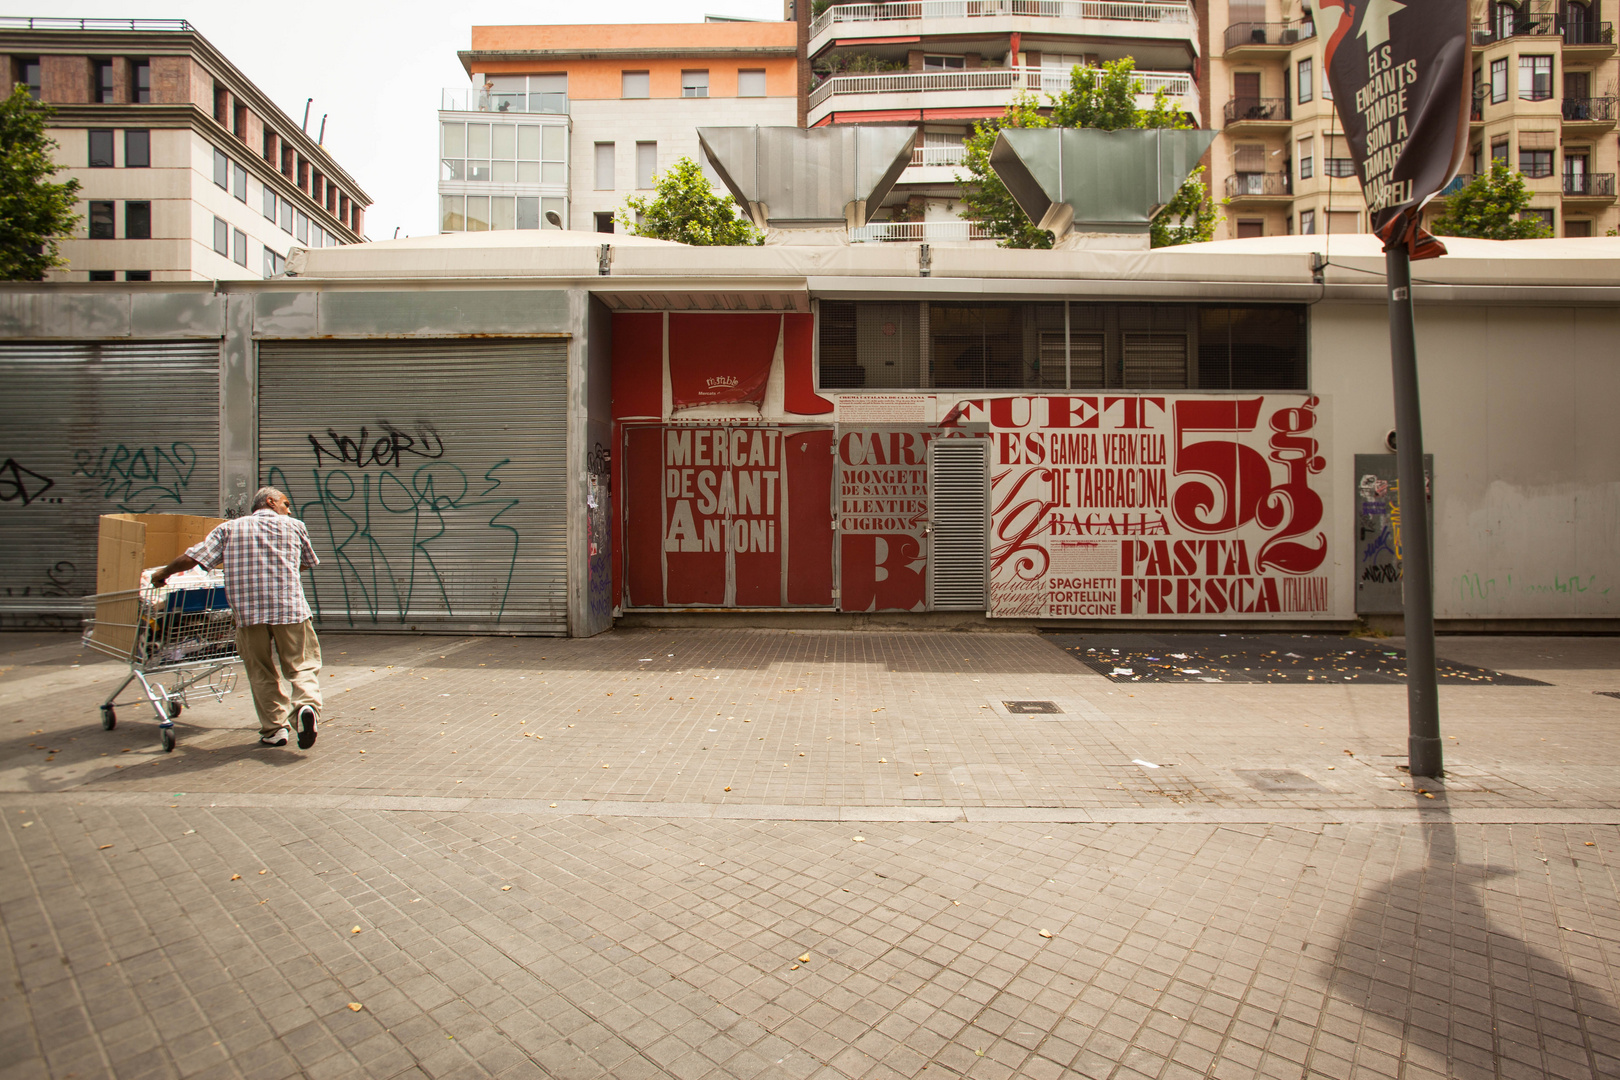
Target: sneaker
279	738
306	727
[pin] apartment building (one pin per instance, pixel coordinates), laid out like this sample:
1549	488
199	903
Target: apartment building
1545	89
187	170
945	64
589	115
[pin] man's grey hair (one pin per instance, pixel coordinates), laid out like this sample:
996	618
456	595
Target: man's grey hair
262	497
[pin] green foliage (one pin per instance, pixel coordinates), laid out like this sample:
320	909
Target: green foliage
686	209
1489	207
857	63
1103	98
34	213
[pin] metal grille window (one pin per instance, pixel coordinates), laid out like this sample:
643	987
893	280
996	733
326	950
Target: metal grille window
907	345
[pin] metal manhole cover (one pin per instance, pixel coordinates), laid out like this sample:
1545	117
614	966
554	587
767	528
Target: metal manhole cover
1607	693
1279	780
1032	707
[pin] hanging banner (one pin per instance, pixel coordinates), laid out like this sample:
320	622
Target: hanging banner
1400	73
1157	506
720	359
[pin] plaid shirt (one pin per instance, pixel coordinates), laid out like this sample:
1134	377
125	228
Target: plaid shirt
262	553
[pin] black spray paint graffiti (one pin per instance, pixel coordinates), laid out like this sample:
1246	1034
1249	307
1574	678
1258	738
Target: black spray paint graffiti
385	451
386	533
18	484
140	479
61	582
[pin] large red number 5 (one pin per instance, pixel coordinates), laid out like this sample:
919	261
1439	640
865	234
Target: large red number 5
1240	475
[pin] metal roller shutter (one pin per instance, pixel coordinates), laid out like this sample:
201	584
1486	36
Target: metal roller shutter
91	429
431	476
958	556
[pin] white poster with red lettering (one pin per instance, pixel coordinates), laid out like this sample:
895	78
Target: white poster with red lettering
1157	506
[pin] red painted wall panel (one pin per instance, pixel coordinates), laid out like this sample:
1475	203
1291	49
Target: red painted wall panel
798	368
643	526
809	463
638	365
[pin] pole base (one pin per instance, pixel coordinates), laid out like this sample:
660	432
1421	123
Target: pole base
1425	756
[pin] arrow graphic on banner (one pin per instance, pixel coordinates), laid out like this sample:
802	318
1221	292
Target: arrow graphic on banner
1375	21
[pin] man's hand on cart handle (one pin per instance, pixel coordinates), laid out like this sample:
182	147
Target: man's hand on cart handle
181	564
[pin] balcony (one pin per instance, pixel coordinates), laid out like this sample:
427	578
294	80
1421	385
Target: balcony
1261	37
1259	187
852	22
1458	182
1520	26
926	156
916	232
1242	111
987	89
1592	113
1588	40
1596	186
473	99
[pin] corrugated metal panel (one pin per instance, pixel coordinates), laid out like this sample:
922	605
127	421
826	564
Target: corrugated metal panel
432	476
958	556
89	429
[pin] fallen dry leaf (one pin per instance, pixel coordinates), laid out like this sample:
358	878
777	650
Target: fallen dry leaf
263	872
916	774
1589	843
860	839
1046	933
554	806
793	967
728	789
883	761
506	888
356	930
236	877
355	1006
805	959
104	847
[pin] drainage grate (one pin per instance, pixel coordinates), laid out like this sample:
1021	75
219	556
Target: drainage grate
1032	706
1279	780
1607	693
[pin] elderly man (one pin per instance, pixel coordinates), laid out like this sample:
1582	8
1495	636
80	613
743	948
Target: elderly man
263	554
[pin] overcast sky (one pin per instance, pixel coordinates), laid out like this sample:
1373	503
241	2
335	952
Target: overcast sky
376	69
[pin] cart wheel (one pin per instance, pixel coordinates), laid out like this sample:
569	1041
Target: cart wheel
174	709
168	739
109	718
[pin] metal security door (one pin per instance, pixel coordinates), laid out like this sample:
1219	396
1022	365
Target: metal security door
91	429
959	512
432	476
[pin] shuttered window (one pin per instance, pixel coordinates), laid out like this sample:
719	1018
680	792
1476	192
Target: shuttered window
959	513
431	476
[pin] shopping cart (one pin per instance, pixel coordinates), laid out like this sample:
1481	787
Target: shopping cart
185	632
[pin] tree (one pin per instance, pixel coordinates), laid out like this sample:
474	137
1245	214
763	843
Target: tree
1103	98
686	209
1489	207
34	213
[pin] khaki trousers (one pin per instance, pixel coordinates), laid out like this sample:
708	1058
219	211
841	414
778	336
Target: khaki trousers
299	654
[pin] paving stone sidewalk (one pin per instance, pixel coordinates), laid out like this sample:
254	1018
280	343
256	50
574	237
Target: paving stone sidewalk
552	858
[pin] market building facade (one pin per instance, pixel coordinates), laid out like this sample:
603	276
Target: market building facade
538	433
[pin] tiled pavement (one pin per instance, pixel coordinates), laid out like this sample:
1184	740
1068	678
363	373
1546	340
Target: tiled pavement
886	818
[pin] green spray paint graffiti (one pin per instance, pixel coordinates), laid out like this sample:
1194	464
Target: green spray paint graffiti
389	533
1473	586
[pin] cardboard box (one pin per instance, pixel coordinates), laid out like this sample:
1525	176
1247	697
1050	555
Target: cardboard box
128	544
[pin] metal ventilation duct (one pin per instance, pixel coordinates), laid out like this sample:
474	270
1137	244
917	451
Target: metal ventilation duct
815	178
1079	181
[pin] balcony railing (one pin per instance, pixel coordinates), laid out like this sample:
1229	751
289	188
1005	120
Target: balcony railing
1458	182
1522	26
939	155
1033	79
1588	33
933	232
1272	183
1242	34
472	99
1579	110
1242	110
1112	10
23	22
1589	185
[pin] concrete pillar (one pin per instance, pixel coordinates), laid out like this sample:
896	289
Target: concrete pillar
914	59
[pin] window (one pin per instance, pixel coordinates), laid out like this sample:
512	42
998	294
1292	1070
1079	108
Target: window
604	221
1343	221
222	237
138	220
103	87
694	84
1499	152
604	166
528	212
140	92
548	93
1307	222
1535	163
553	153
222	99
269	202
273	264
751	83
1499	85
1305	73
646	163
1535	78
944	63
553	208
634	84
239	247
1543	216
101	148
301	231
222	169
137	275
1250	228
138	149
451	217
499	153
1577	228
239	181
1339	167
1307	163
285	210
102	225
103	275
28	75
1575	175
